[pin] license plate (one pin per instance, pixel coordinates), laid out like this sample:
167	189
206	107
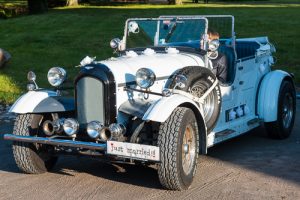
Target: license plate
131	150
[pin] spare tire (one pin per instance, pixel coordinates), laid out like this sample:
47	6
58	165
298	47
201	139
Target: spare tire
199	80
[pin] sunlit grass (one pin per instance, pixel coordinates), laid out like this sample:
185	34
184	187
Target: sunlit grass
63	36
164	6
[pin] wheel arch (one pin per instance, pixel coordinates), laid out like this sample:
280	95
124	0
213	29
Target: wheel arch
267	105
44	101
163	108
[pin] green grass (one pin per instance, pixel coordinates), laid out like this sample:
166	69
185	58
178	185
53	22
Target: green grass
63	36
13	2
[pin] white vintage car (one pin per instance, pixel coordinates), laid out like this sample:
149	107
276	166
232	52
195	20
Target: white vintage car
158	101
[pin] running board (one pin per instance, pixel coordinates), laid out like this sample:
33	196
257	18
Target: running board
56	142
254	121
224	133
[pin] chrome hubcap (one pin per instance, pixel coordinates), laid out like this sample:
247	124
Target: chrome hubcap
287	111
188	150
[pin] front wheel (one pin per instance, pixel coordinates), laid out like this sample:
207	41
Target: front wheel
178	140
282	127
31	158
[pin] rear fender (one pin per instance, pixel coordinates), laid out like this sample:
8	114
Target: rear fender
43	101
268	95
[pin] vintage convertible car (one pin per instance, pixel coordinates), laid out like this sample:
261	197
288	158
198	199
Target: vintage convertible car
156	102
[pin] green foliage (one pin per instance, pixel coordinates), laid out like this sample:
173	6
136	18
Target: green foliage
63	36
10	9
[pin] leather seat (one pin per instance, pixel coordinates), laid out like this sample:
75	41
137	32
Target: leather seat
246	49
231	58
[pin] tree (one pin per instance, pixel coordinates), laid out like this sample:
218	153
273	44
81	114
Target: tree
72	2
37	6
175	2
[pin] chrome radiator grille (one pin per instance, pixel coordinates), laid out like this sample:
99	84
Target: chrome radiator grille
90	100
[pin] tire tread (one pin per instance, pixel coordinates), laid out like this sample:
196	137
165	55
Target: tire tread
168	171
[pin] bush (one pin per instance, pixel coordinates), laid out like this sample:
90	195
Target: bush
12	11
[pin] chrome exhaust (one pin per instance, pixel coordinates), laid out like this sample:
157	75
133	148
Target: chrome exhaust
51	127
113	132
105	134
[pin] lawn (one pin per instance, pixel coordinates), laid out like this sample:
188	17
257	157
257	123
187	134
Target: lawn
63	36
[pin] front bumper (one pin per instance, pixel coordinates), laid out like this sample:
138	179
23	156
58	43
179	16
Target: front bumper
57	142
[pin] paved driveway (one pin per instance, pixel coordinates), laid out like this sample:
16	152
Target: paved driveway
249	167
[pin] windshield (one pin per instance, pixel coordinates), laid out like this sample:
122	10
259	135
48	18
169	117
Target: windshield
165	32
223	24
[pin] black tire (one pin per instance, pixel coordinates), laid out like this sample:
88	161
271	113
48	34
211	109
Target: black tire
282	127
199	80
173	172
31	158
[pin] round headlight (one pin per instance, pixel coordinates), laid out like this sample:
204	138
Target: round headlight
213	45
117	130
94	128
145	77
70	126
114	43
56	76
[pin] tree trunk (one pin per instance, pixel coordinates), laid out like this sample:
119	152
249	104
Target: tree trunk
175	2
37	6
72	3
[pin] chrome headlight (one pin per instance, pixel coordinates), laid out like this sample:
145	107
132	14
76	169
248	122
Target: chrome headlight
145	78
56	76
94	129
70	126
115	43
213	45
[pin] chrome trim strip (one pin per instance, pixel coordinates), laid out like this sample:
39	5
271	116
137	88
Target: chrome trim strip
58	142
134	83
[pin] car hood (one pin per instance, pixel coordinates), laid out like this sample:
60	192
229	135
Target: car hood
125	67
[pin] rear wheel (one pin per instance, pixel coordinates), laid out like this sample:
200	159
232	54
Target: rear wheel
282	127
178	140
31	158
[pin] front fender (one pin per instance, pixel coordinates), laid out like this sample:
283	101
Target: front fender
162	108
268	95
43	101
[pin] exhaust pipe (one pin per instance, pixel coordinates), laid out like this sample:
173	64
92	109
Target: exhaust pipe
113	132
51	127
96	129
105	134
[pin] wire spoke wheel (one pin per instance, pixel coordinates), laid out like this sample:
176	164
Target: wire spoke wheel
287	111
188	149
198	89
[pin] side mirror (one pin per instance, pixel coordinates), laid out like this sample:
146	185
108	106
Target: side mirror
180	81
133	27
